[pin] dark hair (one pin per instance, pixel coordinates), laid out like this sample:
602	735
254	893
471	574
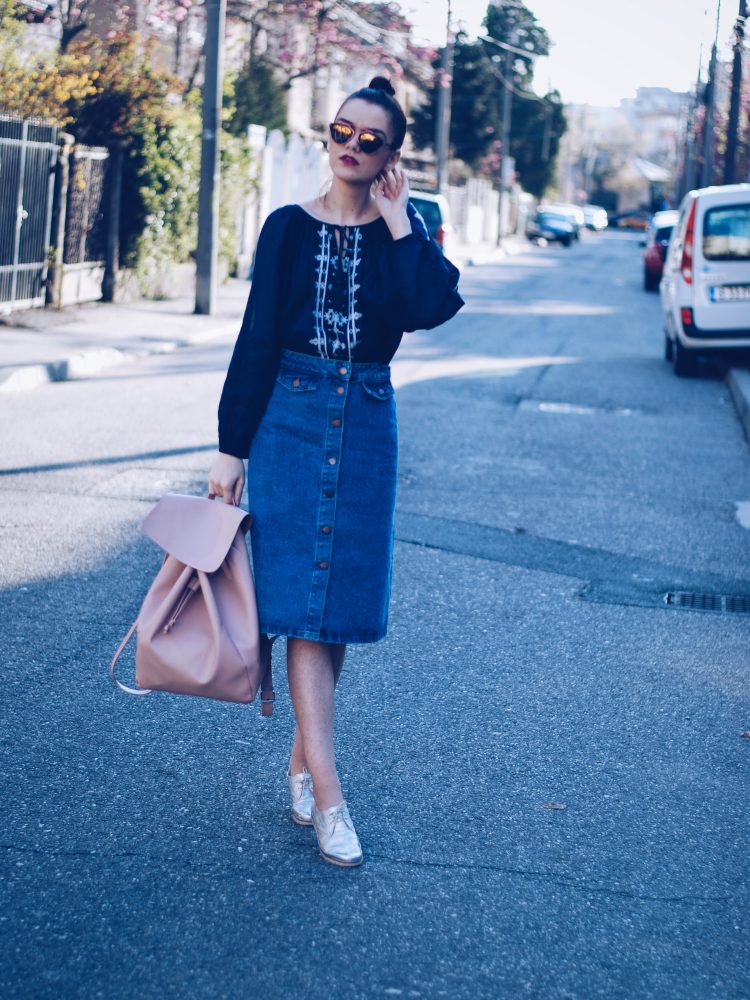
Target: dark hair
380	91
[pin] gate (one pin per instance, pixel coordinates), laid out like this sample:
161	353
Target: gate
28	152
85	246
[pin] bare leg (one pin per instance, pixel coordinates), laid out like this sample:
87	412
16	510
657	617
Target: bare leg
314	668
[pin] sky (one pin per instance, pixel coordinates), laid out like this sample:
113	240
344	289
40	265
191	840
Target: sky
603	49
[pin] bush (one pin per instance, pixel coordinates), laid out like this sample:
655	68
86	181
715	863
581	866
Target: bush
160	198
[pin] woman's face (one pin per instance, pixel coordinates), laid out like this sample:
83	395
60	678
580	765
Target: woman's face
348	162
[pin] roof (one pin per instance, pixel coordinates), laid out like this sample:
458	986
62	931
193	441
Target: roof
653	173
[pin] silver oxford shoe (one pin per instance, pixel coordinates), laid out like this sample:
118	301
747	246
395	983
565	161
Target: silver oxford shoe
301	794
337	838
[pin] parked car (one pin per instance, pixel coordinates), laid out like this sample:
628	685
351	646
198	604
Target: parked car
638	218
573	213
656	244
595	217
552	227
705	288
434	210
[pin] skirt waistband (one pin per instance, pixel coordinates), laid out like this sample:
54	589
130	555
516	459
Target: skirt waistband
355	370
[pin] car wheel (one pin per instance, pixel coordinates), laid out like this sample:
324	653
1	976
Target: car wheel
668	347
683	360
650	282
565	240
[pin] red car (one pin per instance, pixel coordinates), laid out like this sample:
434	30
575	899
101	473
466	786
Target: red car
656	244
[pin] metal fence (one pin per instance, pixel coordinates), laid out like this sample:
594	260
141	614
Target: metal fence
28	152
85	218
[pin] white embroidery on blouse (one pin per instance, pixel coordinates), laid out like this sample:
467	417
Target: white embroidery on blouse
321	283
329	321
352	330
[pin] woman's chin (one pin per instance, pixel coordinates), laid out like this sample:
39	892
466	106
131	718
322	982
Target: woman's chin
351	175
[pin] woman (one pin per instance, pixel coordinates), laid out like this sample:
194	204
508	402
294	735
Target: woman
308	397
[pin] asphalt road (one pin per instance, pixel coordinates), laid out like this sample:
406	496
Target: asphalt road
543	760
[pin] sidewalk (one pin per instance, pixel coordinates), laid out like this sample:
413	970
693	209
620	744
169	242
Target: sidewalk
47	345
474	254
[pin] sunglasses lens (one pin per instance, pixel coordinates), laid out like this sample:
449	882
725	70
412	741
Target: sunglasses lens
369	143
341	133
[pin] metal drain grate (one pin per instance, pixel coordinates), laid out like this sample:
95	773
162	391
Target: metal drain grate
708	602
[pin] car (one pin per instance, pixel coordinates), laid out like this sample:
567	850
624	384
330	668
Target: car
637	218
705	287
435	211
595	218
656	244
550	227
573	213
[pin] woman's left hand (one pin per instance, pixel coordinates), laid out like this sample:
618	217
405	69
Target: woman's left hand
391	191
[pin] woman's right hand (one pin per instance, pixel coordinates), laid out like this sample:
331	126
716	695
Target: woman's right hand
227	478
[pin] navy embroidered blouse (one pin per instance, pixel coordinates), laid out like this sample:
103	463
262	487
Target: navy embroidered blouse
334	292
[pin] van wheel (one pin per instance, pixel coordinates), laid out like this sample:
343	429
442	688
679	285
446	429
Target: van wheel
650	283
668	347
683	360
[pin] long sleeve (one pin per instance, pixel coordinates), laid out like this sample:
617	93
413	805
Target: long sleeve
426	281
252	370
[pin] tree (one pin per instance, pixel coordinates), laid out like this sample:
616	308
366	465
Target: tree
537	123
515	25
258	98
305	36
536	128
475	121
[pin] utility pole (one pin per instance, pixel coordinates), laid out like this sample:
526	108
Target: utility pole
505	138
208	191
691	161
709	100
730	159
445	92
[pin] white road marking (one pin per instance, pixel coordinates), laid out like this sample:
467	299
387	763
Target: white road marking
743	512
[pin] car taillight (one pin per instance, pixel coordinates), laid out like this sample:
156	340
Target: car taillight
686	315
440	235
686	264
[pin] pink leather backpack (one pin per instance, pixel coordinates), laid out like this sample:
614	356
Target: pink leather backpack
197	630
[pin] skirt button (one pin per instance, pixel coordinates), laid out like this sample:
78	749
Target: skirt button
295	382
340	390
326	529
322	565
331	461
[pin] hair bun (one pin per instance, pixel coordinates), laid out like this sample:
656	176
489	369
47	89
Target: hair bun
381	83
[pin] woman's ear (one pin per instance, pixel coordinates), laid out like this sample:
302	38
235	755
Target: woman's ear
393	160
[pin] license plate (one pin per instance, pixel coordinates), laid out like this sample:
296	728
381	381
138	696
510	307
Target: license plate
729	293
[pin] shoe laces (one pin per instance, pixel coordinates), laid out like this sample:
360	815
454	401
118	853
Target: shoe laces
341	815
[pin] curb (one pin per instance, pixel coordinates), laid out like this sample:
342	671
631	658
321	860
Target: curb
97	359
738	380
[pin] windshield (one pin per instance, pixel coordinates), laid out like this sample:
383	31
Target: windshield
726	233
429	210
663	234
552	217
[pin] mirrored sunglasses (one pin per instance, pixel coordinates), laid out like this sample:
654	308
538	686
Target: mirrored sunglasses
368	141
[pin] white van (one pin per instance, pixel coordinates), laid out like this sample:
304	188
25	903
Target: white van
705	287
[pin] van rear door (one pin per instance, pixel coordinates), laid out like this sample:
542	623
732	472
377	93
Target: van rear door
722	263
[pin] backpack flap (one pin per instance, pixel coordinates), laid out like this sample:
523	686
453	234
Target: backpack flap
196	531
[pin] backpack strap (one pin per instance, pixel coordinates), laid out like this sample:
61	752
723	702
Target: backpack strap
267	694
116	657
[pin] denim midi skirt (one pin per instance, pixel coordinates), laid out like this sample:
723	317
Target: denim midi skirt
322	491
